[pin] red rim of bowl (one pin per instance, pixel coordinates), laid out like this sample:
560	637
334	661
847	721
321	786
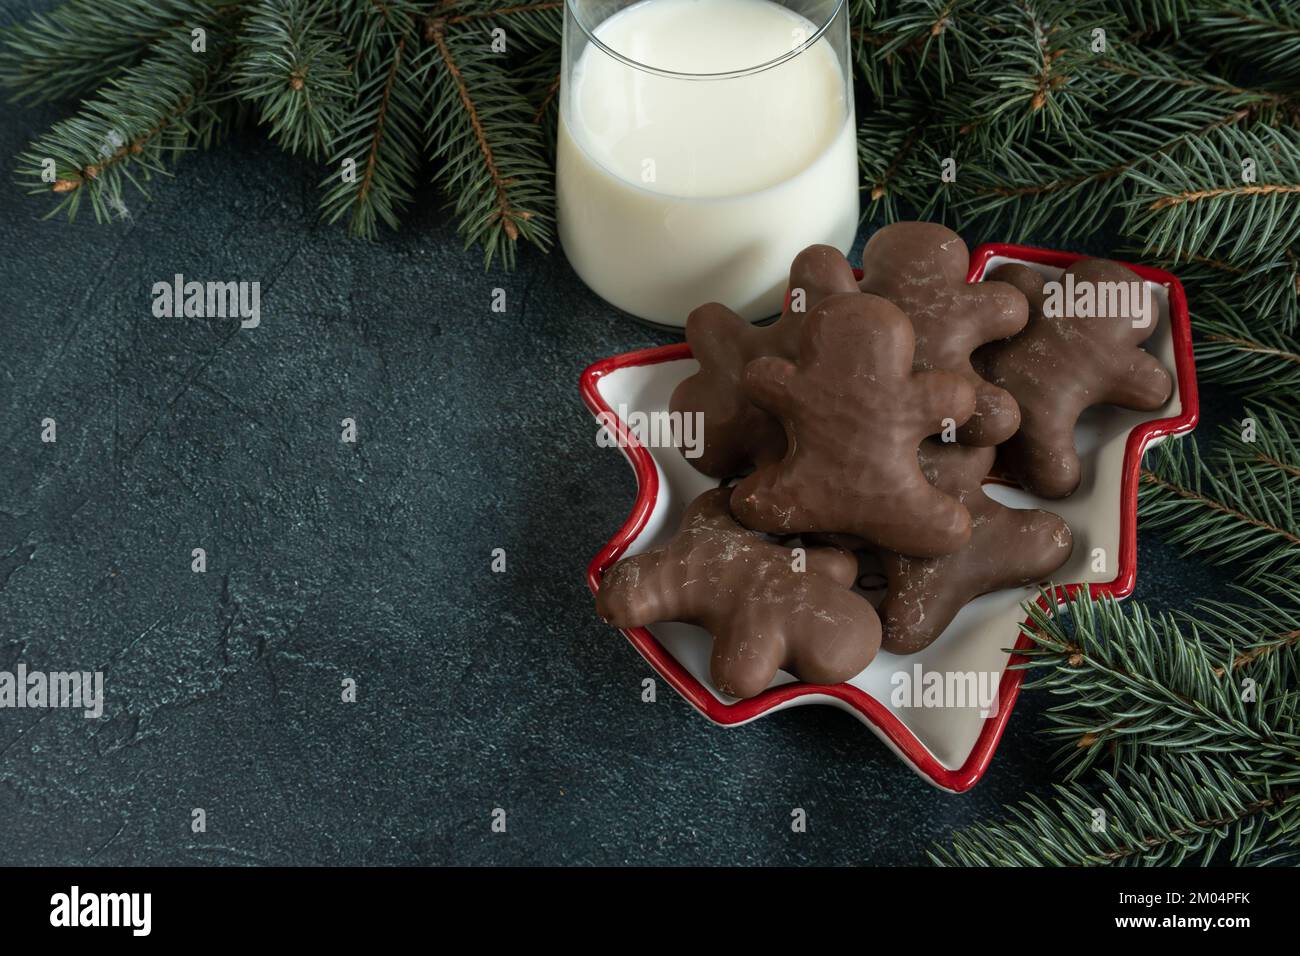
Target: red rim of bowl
898	736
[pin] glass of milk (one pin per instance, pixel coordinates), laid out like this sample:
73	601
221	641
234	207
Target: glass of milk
702	145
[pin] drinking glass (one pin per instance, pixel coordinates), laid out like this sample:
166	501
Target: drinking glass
702	144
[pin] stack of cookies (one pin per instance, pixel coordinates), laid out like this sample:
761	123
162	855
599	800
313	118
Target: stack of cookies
866	418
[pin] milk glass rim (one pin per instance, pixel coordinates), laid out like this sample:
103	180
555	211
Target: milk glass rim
589	32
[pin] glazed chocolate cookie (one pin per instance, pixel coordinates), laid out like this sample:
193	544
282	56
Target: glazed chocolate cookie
1008	547
855	413
736	434
1079	355
766	608
921	267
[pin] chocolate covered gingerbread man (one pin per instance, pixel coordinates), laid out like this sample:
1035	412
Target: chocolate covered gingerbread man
737	434
855	413
1008	547
767	607
921	267
1079	349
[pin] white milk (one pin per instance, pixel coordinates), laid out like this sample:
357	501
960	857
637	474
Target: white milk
674	192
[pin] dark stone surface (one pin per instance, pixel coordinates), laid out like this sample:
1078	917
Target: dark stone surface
370	561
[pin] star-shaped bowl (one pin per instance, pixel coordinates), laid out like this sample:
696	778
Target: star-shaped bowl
952	744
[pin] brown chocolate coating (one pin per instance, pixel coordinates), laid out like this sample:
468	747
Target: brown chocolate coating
855	413
833	539
763	614
921	267
1060	365
736	433
1008	547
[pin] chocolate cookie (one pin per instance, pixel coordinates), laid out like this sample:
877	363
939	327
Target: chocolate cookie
1008	547
855	413
1072	355
921	267
765	611
736	434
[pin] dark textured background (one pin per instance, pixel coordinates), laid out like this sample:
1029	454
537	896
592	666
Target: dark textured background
370	561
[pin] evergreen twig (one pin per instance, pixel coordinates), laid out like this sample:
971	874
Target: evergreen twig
377	151
1265	34
1223	510
505	192
80	45
144	119
1264	364
1197	714
1156	813
1232	193
293	67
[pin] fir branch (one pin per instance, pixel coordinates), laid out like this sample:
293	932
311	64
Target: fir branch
1145	17
378	149
1265	626
494	164
1157	813
1053	182
1263	364
1024	190
1220	291
1200	761
370	24
76	48
293	68
1266	448
900	169
1200	195
936	35
539	81
1038	76
1264	35
532	24
887	58
1135	684
1141	82
1197	197
143	119
1220	511
861	15
1147	105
